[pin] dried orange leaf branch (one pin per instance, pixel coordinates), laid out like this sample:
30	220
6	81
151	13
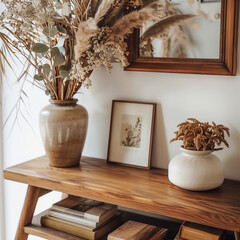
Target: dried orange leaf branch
201	136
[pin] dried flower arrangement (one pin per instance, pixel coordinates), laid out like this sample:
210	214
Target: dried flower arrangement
65	40
201	136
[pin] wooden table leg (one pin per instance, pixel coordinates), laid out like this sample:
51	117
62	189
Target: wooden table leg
237	236
32	195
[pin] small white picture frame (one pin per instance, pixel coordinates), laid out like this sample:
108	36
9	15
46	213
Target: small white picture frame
131	133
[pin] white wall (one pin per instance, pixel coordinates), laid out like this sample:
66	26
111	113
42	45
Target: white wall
207	98
2	226
178	97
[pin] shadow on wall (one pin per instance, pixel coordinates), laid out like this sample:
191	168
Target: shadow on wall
160	156
232	161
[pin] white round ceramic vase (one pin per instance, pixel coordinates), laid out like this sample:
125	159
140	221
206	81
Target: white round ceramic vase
196	170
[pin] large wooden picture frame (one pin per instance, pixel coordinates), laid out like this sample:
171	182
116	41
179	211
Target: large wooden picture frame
225	65
131	133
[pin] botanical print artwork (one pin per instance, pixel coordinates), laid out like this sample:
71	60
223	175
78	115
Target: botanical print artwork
131	133
131	129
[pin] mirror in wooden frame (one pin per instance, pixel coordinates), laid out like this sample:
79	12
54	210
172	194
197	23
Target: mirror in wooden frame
221	62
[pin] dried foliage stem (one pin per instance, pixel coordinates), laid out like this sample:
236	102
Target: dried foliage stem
162	27
133	20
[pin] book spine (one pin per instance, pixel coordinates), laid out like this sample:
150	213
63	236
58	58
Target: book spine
87	216
92	217
67	228
196	234
71	218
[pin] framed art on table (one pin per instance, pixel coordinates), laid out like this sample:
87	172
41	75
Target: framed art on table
131	133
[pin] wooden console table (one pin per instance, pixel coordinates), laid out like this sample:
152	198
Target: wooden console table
148	191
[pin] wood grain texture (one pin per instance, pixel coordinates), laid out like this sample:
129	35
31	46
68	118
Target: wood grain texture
133	230
231	39
200	232
225	65
32	195
149	191
48	233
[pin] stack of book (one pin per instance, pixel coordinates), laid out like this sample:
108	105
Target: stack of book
132	230
193	231
82	217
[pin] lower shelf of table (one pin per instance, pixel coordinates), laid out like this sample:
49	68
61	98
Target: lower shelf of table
47	233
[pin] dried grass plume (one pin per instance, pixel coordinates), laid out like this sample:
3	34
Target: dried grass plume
162	27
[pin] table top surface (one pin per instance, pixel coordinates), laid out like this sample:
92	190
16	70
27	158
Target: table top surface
144	190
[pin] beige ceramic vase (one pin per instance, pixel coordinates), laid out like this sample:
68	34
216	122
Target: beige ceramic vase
63	126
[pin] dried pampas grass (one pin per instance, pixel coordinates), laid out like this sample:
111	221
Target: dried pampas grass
94	5
174	42
149	2
82	9
146	49
103	9
133	20
181	41
84	33
159	29
116	10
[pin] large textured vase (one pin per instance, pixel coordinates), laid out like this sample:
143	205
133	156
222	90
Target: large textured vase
196	170
63	126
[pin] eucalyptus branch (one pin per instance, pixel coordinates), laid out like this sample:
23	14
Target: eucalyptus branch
48	82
